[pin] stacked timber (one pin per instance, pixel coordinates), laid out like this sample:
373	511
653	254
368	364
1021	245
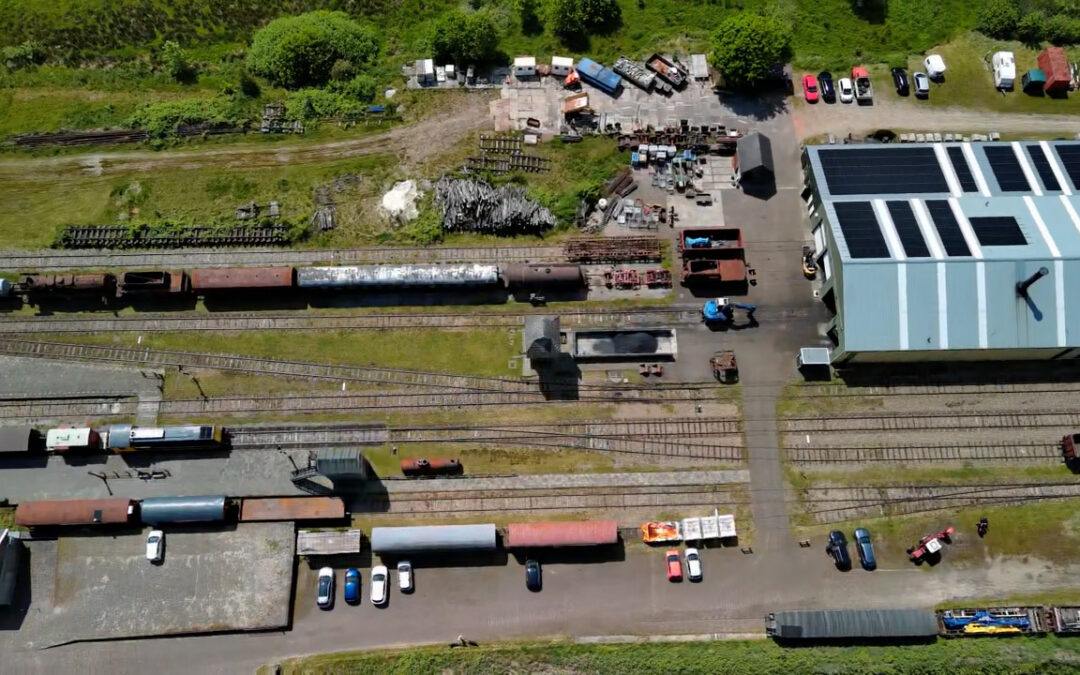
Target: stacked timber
474	206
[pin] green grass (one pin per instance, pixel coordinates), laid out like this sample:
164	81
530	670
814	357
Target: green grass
1046	656
790	404
7	517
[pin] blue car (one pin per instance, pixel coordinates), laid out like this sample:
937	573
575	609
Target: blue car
352	586
837	548
865	549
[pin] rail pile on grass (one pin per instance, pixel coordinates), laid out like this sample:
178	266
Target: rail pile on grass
475	206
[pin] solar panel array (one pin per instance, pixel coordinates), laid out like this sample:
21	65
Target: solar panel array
1070	159
1042	166
952	238
963	171
911	237
892	170
998	231
861	231
1006	167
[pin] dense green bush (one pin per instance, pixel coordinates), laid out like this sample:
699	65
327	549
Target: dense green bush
22	55
1031	29
746	46
571	18
1062	30
465	38
300	51
998	18
162	119
347	100
175	62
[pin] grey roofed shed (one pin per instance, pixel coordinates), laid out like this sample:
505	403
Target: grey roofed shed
542	338
330	542
431	538
851	623
754	155
340	463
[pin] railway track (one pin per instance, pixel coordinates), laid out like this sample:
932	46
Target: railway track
290	437
1019	453
929	422
836	504
810	391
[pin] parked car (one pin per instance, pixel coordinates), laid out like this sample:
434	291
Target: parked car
533	580
845	89
922	85
155	546
324	596
837	548
810	88
405	576
899	78
865	548
674	565
352	586
693	564
825	82
378	585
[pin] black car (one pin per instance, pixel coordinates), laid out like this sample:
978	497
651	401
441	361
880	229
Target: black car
837	548
533	581
825	85
899	78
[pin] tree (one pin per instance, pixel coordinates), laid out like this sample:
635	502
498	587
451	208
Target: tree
247	84
1031	28
574	18
465	38
298	51
1062	29
529	11
175	62
998	18
746	47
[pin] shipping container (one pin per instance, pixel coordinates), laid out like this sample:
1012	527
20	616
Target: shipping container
114	511
206	509
598	76
401	276
541	276
580	533
1055	64
153	282
433	538
241	278
20	439
76	439
291	508
712	242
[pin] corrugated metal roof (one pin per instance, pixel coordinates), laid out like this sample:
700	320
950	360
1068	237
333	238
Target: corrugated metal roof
431	538
755	152
961	295
327	543
852	623
396	275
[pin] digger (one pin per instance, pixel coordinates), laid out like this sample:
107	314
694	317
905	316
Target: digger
721	311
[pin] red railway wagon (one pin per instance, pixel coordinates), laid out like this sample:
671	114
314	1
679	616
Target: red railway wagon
291	508
210	280
431	467
571	533
54	512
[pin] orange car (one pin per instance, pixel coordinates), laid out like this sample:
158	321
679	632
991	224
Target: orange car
674	565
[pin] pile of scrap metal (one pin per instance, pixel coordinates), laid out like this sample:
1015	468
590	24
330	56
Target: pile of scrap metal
592	217
474	206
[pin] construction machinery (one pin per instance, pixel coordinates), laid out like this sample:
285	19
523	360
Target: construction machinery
724	367
722	311
930	545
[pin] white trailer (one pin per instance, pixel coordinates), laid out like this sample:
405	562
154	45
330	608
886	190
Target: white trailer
1004	70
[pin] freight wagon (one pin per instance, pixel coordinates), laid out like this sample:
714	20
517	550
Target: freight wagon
562	534
21	439
70	512
431	467
125	437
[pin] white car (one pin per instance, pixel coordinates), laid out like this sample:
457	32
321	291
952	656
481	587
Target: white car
155	546
845	90
693	564
324	596
378	584
922	85
404	576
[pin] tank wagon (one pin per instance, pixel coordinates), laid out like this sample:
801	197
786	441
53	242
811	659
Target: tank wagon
431	467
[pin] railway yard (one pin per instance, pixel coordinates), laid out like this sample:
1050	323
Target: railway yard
253	402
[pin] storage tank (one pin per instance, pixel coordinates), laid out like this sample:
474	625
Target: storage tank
432	538
115	511
340	463
430	467
396	276
240	278
206	509
533	275
579	533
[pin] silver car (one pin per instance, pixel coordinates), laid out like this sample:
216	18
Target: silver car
922	84
405	576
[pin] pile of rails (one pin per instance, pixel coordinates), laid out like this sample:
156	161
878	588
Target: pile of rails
474	206
710	139
120	236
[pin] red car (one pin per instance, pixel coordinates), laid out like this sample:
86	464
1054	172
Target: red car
674	565
810	88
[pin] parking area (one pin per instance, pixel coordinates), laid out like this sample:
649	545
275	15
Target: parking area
103	587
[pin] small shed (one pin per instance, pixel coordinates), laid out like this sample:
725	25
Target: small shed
425	71
310	542
561	65
542	338
814	363
699	67
1033	81
336	463
1053	62
524	66
753	158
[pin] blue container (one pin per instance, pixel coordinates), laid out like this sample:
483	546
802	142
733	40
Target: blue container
607	81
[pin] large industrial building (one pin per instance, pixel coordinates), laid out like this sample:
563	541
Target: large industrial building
948	251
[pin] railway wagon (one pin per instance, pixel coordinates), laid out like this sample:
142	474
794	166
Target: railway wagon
538	275
21	439
125	437
82	439
431	467
225	279
201	509
153	283
399	276
39	286
433	539
69	512
560	534
712	242
993	621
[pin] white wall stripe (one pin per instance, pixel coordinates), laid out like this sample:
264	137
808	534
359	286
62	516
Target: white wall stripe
976	170
980	291
947	169
929	232
901	303
1055	167
1070	211
1025	166
942	307
966	229
1034	211
1059	300
888	228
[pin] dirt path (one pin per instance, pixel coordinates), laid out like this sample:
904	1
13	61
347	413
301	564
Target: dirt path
412	142
905	115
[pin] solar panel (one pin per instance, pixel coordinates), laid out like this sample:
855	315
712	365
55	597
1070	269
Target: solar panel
963	171
1042	165
952	238
861	232
998	230
1070	158
903	218
877	170
1006	166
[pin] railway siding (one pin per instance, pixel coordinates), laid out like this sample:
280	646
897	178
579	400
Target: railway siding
1043	453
